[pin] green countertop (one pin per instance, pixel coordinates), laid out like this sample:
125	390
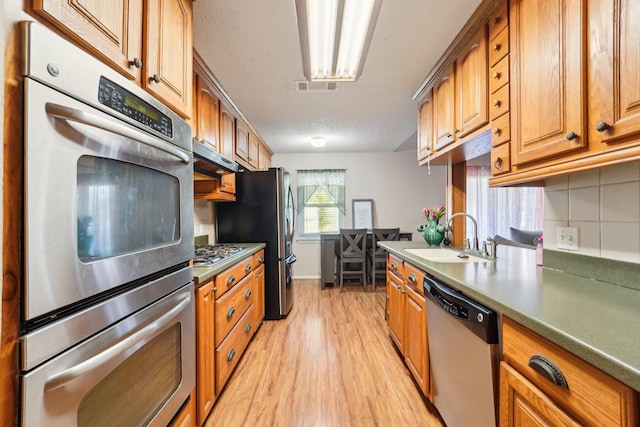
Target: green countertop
202	274
597	321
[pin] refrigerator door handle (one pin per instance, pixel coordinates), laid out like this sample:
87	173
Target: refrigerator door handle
290	259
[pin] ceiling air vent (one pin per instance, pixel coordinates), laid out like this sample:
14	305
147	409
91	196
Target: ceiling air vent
306	86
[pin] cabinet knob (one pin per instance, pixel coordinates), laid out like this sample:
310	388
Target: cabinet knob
498	163
136	62
496	47
571	136
602	126
231	279
497	131
495	21
247	294
412	278
496	75
548	369
247	328
231	354
394	265
247	268
155	78
457	131
497	103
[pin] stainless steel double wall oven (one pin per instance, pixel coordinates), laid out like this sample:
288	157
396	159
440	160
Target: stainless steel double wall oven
108	303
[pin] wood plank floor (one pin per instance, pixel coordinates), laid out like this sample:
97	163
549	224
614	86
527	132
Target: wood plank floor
329	363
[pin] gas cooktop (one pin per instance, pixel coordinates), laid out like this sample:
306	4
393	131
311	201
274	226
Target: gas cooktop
210	255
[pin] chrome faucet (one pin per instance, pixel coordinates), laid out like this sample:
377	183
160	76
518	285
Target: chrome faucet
475	228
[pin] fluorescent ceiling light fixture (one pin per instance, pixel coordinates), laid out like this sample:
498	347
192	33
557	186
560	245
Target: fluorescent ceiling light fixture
335	37
318	141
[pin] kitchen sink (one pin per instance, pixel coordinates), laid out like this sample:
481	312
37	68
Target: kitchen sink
446	255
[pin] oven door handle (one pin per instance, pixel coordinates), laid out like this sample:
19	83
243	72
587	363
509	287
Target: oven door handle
82	117
60	379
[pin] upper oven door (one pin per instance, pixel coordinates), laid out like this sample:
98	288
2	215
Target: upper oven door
105	202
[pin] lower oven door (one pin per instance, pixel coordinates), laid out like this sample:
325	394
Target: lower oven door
137	372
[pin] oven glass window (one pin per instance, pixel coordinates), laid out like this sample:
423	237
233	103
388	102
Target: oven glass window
123	207
136	390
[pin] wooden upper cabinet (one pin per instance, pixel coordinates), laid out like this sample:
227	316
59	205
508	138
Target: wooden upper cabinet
471	85
264	157
110	30
150	42
444	109
227	135
614	58
425	127
253	150
242	141
206	114
547	78
169	52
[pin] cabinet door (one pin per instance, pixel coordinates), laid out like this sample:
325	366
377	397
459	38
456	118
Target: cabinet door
111	30
522	404
264	157
242	141
205	352
207	114
395	309
227	132
416	345
258	298
168	70
472	87
614	58
444	109
547	76
254	147
425	127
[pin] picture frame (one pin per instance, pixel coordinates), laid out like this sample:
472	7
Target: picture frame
362	210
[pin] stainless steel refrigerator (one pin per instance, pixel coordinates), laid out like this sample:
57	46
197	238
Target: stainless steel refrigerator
264	213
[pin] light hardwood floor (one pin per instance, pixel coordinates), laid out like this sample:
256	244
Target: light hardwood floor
329	363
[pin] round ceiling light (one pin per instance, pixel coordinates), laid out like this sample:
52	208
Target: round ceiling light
318	141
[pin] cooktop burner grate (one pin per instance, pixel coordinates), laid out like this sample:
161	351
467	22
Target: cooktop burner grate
212	254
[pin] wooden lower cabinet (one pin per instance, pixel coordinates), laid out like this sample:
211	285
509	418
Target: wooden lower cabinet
407	319
529	398
186	417
226	320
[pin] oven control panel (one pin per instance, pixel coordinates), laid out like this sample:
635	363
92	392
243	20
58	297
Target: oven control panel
124	102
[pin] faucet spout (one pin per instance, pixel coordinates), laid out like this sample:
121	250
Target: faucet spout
475	227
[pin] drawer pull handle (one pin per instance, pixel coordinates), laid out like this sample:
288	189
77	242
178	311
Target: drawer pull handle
260	259
394	265
230	312
247	268
497	131
412	278
231	354
247	328
548	369
496	75
247	294
231	279
497	103
498	163
496	47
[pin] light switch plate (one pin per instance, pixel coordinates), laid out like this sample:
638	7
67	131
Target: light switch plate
568	238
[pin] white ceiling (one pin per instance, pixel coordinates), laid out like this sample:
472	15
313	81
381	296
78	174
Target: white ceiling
253	48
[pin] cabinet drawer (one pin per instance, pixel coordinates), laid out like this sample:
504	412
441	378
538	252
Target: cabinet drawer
414	277
228	278
592	397
395	264
258	258
498	21
501	130
499	47
499	75
230	351
499	102
231	306
500	159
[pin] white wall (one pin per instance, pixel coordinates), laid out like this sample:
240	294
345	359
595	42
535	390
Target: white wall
399	187
605	206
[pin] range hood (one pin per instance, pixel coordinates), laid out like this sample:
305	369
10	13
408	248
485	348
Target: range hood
209	162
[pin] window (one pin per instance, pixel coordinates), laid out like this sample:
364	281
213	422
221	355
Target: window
497	209
321	201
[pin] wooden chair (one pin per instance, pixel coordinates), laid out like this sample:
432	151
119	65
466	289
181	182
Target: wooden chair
353	254
376	256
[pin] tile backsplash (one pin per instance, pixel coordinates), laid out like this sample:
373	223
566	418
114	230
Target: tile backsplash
605	206
204	219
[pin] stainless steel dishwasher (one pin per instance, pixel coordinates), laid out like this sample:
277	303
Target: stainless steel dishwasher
463	353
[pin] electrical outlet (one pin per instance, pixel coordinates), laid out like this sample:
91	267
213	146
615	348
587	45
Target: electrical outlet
568	238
